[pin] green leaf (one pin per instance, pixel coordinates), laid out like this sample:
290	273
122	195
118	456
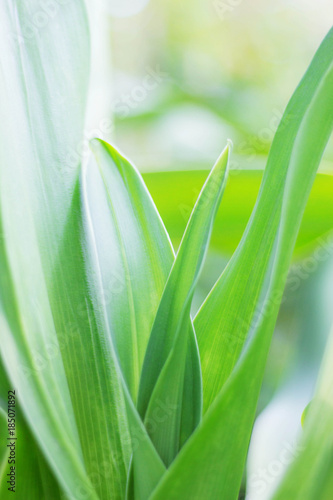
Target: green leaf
125	244
163	371
245	301
135	256
48	106
85	347
294	157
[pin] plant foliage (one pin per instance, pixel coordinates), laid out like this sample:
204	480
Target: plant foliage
121	393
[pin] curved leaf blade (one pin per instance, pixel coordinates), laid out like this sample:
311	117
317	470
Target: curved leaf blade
211	463
33	97
116	236
164	366
238	289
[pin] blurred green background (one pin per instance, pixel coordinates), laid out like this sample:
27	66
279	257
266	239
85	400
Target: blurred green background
180	78
226	70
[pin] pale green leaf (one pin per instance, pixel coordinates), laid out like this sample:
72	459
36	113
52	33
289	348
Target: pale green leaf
125	244
135	256
48	107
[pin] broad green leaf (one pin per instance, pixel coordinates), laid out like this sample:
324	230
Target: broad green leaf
42	114
175	193
90	371
245	301
54	348
125	244
135	256
163	371
311	474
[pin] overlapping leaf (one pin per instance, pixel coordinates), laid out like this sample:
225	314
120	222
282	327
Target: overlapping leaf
83	265
244	303
134	253
163	371
48	107
125	245
54	349
294	157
